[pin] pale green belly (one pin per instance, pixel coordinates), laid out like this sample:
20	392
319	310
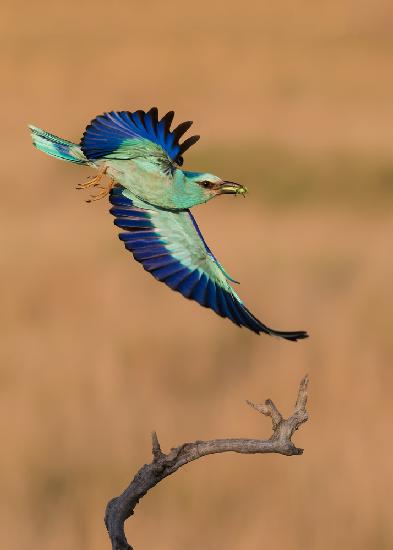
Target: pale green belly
152	187
150	184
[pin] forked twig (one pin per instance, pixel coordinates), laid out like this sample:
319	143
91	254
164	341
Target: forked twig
120	508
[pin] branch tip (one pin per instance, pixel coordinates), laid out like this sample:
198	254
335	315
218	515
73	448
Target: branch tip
263	409
301	400
156	447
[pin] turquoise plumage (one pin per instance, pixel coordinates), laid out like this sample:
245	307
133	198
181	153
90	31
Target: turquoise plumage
151	197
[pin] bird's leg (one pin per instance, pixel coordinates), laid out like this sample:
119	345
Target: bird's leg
104	191
94	181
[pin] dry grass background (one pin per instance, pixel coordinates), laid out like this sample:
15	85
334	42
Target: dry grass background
295	101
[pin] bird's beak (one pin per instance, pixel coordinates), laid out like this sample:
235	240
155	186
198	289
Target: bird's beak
232	188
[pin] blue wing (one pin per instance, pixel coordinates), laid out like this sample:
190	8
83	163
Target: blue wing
110	131
169	245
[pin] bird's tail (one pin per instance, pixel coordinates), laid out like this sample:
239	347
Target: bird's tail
57	147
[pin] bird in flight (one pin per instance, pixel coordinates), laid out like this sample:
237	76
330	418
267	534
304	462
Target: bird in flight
151	197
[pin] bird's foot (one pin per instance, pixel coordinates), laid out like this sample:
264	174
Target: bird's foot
94	181
105	190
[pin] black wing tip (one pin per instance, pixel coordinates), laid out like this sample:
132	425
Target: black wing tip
252	323
187	143
293	336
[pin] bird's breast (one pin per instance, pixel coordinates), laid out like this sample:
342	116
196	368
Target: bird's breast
148	183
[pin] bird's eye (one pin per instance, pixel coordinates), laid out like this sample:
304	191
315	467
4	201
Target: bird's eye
207	184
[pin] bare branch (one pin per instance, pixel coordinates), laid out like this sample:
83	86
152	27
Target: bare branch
120	508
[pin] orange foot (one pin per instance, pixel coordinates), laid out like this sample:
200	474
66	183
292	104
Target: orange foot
96	182
105	189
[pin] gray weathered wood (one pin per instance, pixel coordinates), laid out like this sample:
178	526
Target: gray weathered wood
120	508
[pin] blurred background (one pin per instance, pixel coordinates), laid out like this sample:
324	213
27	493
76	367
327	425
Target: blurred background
292	99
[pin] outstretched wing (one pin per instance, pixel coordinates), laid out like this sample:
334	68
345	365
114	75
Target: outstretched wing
170	246
118	134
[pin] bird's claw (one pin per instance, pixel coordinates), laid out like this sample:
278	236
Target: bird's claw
91	182
96	182
105	190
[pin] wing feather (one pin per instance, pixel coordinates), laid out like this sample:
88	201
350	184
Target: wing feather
170	246
116	134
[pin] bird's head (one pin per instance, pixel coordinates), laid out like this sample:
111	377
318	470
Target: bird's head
203	186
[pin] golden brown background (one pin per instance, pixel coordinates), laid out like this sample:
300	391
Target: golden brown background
294	100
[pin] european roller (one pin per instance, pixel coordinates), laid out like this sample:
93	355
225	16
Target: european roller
151	197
